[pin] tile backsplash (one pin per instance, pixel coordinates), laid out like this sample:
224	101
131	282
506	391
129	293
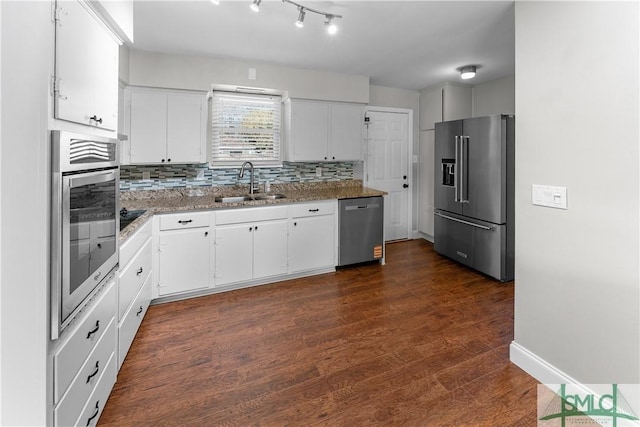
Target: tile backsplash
154	177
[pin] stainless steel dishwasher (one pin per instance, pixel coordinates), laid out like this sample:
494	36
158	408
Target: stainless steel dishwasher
361	223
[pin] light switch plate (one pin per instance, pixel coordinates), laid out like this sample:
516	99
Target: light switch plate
549	196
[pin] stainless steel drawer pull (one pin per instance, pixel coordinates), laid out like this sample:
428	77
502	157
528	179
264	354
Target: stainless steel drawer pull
94	373
484	227
95	330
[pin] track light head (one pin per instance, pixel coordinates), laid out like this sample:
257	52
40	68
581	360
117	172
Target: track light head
300	21
255	6
332	28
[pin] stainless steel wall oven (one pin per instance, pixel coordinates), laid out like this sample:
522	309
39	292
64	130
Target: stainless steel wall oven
84	221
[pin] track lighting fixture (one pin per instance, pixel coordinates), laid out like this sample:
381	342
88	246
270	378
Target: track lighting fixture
255	6
300	21
330	22
332	28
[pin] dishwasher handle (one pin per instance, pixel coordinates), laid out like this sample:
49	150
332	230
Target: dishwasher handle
356	207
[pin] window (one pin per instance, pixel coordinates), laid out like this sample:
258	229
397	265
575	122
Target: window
245	127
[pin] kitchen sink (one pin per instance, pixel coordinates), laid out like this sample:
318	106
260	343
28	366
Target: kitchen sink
233	199
248	198
268	196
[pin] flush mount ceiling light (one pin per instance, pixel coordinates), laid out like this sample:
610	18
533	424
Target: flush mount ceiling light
255	6
330	23
467	72
216	2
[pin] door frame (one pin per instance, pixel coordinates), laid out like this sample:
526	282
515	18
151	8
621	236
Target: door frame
412	184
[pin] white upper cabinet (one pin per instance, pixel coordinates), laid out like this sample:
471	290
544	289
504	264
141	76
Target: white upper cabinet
323	131
86	71
165	126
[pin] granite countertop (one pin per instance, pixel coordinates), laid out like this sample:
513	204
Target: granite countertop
190	199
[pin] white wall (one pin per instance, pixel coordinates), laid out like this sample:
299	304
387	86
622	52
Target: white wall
198	73
27	54
577	281
494	97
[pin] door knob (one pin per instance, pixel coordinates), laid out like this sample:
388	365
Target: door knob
405	185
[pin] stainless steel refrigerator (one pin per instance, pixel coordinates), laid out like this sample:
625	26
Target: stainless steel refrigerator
474	193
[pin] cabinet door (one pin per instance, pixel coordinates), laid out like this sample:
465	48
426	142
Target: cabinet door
312	243
86	69
105	85
148	127
183	260
345	139
75	33
270	249
234	254
309	130
186	127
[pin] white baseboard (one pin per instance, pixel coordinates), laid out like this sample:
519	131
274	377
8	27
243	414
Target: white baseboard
537	367
548	374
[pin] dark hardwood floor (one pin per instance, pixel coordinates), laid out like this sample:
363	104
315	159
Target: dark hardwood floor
420	341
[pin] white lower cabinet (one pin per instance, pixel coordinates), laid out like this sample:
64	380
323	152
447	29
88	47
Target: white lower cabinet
84	362
250	244
134	287
313	236
184	253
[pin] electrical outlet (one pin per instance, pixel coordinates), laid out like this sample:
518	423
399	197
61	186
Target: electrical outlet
146	176
200	175
319	171
252	74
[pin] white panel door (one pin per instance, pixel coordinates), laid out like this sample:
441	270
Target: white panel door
387	168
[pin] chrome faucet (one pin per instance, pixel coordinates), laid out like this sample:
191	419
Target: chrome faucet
251	182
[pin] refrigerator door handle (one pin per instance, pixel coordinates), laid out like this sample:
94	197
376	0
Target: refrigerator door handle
484	227
456	171
464	189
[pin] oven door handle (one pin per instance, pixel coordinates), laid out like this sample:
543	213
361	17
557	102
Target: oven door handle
92	178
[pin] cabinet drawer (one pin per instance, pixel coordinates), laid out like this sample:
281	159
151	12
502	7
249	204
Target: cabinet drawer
313	209
134	243
132	320
92	408
238	216
185	220
87	378
133	277
68	360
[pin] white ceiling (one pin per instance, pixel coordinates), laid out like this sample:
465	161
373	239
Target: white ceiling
400	44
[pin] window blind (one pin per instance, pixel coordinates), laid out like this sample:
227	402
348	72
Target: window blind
245	127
